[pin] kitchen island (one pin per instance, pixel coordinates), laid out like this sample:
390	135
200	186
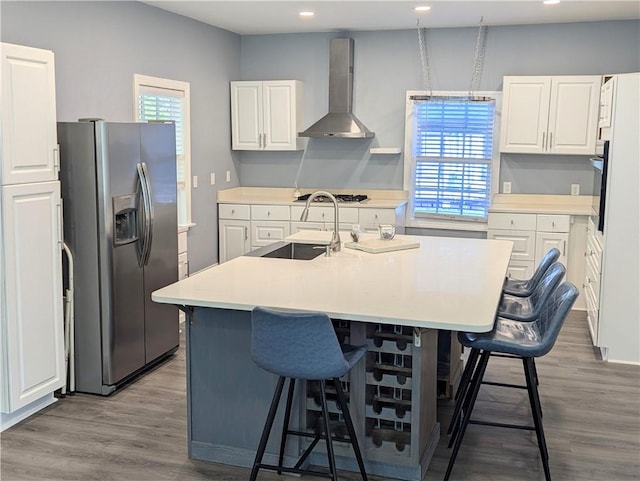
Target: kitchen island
393	301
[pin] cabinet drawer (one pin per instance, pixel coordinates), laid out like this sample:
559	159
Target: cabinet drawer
512	221
523	243
348	216
375	217
316	213
553	223
234	211
594	253
270	212
264	233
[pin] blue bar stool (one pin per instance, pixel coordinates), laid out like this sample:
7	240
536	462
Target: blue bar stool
301	345
525	341
523	309
524	288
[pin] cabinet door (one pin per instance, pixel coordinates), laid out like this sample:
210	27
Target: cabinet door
234	239
246	115
548	240
31	223
523	242
573	115
525	114
280	115
520	270
28	110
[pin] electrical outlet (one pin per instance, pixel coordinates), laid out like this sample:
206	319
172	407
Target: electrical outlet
228	176
213	178
575	189
195	181
506	187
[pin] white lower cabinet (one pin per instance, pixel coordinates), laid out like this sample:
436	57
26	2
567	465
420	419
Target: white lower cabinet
32	364
532	236
234	238
244	227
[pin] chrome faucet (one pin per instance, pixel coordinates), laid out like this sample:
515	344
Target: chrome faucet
335	238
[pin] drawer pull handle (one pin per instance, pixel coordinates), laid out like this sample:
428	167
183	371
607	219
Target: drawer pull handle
233	211
511	221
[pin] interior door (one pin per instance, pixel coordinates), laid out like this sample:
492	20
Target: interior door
158	152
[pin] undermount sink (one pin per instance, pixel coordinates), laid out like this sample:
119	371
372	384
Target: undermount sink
289	250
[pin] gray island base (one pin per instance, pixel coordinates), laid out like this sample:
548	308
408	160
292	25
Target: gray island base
392	397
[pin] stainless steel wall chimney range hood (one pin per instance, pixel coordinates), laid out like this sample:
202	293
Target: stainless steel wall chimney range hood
340	121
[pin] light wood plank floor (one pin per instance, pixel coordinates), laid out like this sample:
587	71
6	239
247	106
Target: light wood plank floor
591	418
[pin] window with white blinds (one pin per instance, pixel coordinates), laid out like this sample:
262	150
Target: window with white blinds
452	152
158	99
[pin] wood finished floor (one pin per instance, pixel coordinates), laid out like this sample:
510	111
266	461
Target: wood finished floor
591	418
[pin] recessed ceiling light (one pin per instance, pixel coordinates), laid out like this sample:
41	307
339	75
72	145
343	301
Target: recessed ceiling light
306	14
422	9
551	2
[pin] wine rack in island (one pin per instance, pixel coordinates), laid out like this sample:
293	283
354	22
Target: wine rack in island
391	395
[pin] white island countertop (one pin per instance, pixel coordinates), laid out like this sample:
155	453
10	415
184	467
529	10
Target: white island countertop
446	283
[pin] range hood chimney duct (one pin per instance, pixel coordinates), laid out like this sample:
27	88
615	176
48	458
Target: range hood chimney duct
340	121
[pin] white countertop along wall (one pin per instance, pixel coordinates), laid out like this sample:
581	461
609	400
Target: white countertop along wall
542	204
446	283
280	196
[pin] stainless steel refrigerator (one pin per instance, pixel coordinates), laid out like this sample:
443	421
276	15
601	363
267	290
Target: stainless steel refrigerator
118	185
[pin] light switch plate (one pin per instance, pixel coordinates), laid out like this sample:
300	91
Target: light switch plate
506	187
575	189
213	178
195	181
228	176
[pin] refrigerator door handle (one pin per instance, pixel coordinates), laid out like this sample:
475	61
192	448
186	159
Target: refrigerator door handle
149	214
143	241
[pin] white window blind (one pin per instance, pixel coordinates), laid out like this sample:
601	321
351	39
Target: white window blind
168	100
452	150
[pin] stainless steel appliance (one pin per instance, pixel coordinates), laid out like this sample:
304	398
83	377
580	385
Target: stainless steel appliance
120	221
600	164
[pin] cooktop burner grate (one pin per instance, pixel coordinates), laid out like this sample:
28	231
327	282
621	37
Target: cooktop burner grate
339	198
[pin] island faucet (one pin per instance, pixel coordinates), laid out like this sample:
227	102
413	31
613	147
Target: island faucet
335	238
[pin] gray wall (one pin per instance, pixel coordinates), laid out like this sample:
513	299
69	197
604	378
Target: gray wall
387	63
100	45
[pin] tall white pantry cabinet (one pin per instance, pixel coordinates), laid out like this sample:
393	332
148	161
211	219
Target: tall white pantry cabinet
31	328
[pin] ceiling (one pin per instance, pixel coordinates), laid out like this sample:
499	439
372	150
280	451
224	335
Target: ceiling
266	17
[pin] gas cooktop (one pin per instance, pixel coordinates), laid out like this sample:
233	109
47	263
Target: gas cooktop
339	198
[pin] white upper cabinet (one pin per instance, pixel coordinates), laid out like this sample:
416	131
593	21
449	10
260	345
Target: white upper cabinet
266	115
550	115
28	115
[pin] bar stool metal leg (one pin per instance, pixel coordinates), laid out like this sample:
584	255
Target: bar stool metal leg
327	427
267	429
472	396
463	386
285	424
342	400
536	411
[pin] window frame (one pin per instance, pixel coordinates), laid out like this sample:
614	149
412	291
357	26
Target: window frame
158	83
409	164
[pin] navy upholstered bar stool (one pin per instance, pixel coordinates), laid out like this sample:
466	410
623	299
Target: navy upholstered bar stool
302	345
525	340
523	309
524	288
